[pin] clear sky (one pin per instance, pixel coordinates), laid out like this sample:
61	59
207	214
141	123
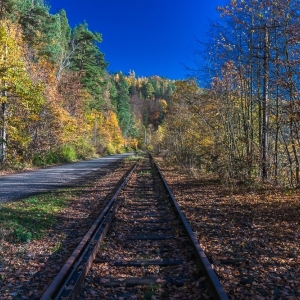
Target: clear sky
151	37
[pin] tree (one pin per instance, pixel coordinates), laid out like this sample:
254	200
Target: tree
89	62
67	45
121	101
20	95
42	30
254	72
148	90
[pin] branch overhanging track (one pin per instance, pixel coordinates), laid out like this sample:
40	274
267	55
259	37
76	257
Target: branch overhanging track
149	244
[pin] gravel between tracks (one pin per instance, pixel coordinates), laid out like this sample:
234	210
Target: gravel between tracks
146	207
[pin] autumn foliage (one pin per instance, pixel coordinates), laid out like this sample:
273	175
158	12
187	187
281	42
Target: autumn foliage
243	123
56	95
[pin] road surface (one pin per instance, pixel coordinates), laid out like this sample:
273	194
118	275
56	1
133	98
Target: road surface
21	185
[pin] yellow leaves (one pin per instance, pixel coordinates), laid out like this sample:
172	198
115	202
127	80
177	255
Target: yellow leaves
68	126
92	115
24	96
3	99
112	120
108	131
206	141
117	78
12	64
139	83
131	80
47	70
164	105
134	143
35	118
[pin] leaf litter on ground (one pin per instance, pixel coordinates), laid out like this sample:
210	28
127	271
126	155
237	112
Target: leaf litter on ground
250	237
57	222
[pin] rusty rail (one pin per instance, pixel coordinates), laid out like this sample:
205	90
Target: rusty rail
66	284
216	287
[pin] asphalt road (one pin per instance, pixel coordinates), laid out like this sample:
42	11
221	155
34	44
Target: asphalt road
25	184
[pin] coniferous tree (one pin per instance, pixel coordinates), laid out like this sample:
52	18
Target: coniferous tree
66	44
123	107
89	61
42	30
148	90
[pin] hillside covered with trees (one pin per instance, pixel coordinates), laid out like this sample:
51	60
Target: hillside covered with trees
58	102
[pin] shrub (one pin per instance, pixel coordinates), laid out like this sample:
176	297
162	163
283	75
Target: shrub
84	149
67	153
21	235
48	158
110	148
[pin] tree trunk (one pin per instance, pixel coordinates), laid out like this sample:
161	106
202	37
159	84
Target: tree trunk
3	117
3	133
265	124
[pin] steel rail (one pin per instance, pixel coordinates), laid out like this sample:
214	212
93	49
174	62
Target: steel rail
66	284
216	287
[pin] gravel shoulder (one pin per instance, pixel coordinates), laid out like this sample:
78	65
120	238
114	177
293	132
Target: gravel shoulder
25	184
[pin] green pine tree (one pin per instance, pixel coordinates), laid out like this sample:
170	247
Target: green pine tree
88	60
125	118
42	30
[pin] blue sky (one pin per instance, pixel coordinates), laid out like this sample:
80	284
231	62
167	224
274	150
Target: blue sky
151	37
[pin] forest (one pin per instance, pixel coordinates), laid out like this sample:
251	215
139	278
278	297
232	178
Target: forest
58	102
236	116
243	122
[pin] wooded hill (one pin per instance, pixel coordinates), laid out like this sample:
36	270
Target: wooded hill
58	101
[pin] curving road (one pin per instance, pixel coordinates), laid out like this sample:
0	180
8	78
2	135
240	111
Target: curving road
21	185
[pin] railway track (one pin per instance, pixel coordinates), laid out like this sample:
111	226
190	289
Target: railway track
140	247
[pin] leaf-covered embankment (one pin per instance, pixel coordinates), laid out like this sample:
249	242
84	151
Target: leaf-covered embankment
251	237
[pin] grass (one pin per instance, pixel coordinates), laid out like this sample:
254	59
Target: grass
58	247
146	172
133	158
29	219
